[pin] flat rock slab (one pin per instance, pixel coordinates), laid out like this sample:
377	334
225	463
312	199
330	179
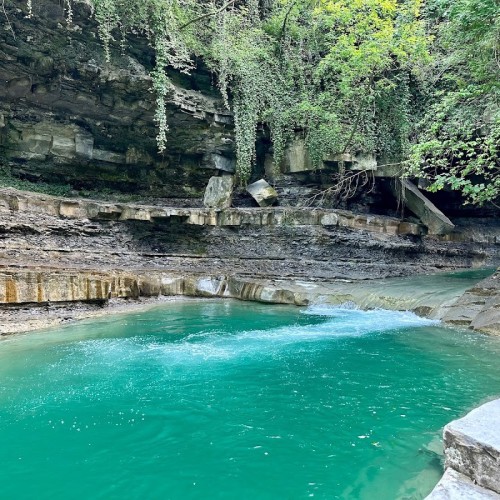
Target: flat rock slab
472	445
456	486
422	207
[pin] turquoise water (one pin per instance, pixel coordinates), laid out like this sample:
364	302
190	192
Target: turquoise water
223	399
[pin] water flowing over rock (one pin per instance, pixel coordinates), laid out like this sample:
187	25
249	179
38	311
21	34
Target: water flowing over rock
71	122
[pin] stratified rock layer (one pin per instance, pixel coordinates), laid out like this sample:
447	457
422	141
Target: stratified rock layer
57	250
68	117
472	451
479	307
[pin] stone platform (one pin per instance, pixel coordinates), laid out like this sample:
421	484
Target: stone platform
472	456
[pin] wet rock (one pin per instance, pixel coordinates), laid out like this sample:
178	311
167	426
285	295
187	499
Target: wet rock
264	194
219	192
479	307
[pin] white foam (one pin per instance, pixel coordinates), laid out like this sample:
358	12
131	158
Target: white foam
339	322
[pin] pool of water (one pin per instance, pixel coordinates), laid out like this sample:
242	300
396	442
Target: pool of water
224	399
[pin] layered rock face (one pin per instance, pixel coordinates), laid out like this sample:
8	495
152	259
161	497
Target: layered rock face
79	124
472	451
67	117
58	250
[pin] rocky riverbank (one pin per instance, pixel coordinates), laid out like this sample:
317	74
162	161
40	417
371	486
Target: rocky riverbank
47	297
59	254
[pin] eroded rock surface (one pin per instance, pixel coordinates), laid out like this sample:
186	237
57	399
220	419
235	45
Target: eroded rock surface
478	307
456	486
57	250
472	456
472	445
68	117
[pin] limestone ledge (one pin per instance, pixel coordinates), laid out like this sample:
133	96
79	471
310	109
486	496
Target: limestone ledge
478	307
15	200
472	456
47	285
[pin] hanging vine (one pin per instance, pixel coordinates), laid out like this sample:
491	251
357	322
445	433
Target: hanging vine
331	70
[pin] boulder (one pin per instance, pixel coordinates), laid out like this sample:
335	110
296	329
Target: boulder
472	445
219	192
264	194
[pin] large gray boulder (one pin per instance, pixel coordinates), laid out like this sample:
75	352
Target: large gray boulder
264	194
472	445
219	192
472	456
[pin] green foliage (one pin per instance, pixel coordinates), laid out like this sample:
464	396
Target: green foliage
410	84
345	64
326	69
457	139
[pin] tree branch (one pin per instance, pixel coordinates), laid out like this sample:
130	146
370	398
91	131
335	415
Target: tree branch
208	14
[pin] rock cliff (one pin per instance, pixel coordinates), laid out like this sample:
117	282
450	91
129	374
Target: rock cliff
70	123
67	117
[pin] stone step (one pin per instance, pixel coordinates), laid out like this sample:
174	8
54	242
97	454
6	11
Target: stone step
456	486
472	456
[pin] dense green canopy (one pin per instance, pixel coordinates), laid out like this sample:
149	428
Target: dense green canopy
416	85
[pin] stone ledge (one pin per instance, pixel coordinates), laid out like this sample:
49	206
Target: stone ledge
479	307
472	456
456	486
23	201
472	445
